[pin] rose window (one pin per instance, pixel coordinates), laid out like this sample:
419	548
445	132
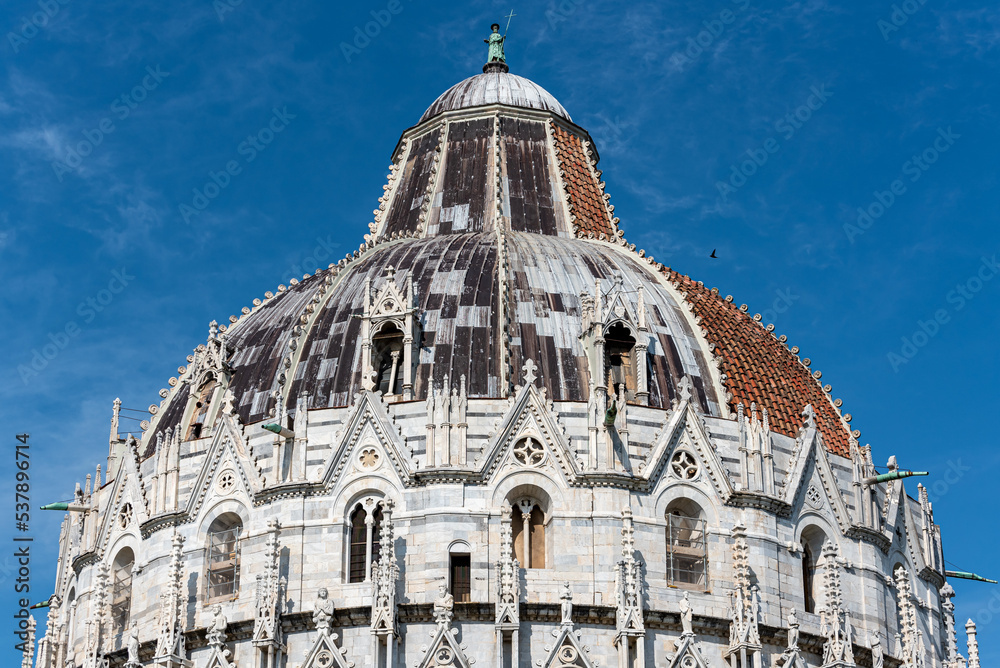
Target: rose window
227	480
567	654
125	515
444	656
684	465
369	458
529	452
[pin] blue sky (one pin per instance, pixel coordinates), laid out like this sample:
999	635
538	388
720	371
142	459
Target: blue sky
825	108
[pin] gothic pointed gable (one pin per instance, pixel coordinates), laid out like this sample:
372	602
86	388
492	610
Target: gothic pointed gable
445	651
811	481
900	526
685	429
687	654
325	654
226	470
220	658
530	416
568	651
128	508
368	422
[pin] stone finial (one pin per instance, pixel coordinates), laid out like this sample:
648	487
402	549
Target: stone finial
685	389
28	655
808	417
529	372
947	592
973	644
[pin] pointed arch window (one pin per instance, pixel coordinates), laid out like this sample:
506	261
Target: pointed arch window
365	537
528	529
387	353
687	547
224	557
619	360
201	406
812	545
121	589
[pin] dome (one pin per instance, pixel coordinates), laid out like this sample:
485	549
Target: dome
495	87
499	402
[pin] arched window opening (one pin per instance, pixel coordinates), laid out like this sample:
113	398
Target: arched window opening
687	547
528	529
121	590
812	546
365	542
224	557
201	406
387	352
460	576
71	617
619	360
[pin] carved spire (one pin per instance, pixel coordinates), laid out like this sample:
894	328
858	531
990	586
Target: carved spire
508	614
973	644
910	637
385	573
28	654
170	641
835	623
94	647
270	594
113	441
744	606
628	583
950	642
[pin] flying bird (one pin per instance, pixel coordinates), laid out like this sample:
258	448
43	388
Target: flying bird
714	255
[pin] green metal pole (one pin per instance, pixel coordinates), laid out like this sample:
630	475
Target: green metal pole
279	430
62	505
892	475
962	575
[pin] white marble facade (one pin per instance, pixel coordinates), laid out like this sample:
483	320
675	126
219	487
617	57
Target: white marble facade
375	450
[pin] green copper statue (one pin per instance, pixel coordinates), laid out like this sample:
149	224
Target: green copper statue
496	45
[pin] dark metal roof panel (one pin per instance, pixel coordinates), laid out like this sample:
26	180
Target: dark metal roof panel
454	282
529	184
404	213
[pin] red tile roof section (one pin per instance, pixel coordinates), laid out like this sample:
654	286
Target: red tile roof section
760	369
586	201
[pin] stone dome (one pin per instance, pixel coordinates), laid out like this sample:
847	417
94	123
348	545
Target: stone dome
499	222
495	87
497	414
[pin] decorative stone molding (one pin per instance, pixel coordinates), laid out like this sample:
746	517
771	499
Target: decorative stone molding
630	635
835	623
744	649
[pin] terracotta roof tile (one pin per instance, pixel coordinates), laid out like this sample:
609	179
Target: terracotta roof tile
583	192
761	369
